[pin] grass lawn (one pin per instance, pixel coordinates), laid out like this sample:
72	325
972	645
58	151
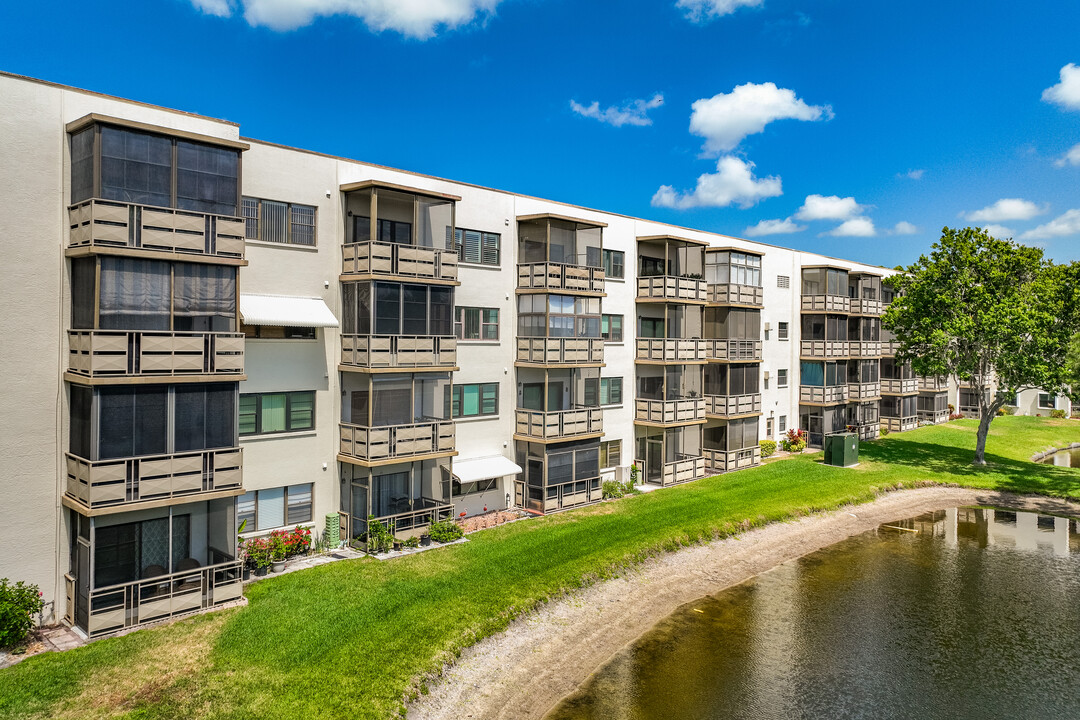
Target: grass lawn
351	638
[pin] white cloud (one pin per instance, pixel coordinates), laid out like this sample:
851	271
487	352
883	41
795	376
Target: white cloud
419	19
999	231
904	228
912	174
1066	224
830	207
855	227
700	11
1067	92
732	183
725	119
774	227
1005	209
635	112
1072	157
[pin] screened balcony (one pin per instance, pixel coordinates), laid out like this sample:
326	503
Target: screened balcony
559	330
670	395
933	384
558	404
864	337
671	270
558	476
731	445
557	253
733	334
967	400
401	232
864	380
899	414
897	378
732	390
825	290
823	383
864	420
391	417
733	277
933	407
397	325
824	336
821	421
670	456
889	344
406	498
670	334
864	290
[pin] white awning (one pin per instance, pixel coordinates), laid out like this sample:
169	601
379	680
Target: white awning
285	311
483	468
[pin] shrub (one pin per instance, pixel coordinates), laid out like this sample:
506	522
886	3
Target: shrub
1011	409
884	431
768	447
258	551
952	408
1059	414
380	538
612	489
795	441
1001	412
445	531
18	604
956	416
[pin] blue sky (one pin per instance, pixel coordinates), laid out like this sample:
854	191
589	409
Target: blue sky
881	120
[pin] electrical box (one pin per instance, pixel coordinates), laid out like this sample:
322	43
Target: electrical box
841	449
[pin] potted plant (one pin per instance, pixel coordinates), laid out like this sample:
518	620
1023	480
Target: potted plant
425	539
258	552
278	550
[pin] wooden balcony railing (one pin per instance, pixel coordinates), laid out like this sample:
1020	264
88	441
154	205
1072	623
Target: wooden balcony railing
398	351
933	384
683	469
823	395
826	303
899	387
107	224
557	424
560	351
824	349
413	261
934	417
130	481
570	279
672	350
396	441
889	348
900	424
136	603
865	306
117	354
733	294
864	348
425	512
567	496
670	287
864	391
866	431
723	406
670	412
733	350
722	461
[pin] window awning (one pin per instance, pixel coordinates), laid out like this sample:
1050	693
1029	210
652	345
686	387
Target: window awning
483	468
285	311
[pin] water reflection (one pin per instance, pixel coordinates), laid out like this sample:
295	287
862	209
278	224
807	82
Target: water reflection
966	612
1064	458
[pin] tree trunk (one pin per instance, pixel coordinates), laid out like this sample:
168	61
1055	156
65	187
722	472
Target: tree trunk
980	438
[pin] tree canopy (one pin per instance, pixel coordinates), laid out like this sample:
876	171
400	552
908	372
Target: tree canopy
992	314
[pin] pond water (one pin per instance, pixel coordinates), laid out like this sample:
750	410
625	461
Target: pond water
1064	458
961	613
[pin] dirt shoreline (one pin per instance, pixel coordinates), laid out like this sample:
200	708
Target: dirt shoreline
520	674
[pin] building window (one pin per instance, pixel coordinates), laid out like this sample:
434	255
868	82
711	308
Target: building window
611	328
262	413
274	507
1046	401
611	453
783	423
768	427
475	400
279	222
611	391
277	332
473	246
783	281
473	323
731	266
765	382
782	331
558	316
781	377
614	263
474	488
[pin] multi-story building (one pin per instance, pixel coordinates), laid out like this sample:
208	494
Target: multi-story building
211	335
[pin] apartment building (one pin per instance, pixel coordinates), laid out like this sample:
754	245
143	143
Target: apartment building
211	335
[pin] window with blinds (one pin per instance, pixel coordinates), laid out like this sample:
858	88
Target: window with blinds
474	246
278	222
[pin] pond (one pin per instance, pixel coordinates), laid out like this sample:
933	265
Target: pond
964	613
1064	458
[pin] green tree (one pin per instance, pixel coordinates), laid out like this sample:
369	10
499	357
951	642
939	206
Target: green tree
988	312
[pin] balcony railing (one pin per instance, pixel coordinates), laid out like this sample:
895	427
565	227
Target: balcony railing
377	258
826	303
429	512
733	350
683	469
97	484
866	431
890	347
117	354
899	387
864	391
733	294
723	406
106	224
136	603
865	306
722	461
823	395
560	351
670	287
559	423
672	350
560	277
568	496
396	441
864	348
398	351
900	424
934	417
824	348
670	412
933	384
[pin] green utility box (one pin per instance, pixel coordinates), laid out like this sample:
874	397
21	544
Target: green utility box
842	449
